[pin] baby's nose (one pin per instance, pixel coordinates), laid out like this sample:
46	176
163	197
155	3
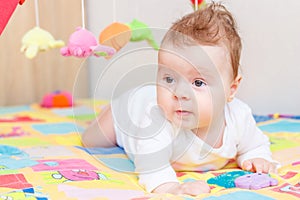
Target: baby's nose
182	91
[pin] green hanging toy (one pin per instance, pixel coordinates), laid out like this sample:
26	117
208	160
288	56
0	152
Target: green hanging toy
140	31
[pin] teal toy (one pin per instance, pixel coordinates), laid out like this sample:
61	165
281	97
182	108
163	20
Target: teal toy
227	179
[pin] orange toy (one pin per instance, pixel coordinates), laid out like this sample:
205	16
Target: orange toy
116	35
57	99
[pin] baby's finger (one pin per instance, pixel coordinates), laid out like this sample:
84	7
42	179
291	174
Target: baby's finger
273	168
247	165
266	167
204	186
258	167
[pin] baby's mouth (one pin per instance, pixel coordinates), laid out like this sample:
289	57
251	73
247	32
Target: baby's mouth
183	112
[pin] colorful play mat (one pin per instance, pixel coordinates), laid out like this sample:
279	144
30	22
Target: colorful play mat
42	157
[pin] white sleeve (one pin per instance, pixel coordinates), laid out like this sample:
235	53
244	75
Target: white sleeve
145	135
151	157
152	180
154	167
253	143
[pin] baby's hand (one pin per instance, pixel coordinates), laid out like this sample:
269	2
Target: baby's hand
259	165
189	188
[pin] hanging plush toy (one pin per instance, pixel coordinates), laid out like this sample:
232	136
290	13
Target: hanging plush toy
37	39
115	35
141	31
197	4
82	43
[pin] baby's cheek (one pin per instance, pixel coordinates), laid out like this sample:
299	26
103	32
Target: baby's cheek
162	103
204	112
163	97
166	110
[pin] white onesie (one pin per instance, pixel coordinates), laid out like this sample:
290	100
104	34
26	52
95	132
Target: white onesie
158	149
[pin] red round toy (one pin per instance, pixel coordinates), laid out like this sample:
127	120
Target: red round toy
57	99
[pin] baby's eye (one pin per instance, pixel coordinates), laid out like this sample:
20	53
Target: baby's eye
169	79
199	83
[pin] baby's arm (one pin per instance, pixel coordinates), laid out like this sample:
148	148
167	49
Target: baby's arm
100	132
254	152
155	171
164	180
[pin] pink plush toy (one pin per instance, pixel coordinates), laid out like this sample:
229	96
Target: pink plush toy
82	43
57	99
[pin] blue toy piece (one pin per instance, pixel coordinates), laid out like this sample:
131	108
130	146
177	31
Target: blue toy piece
227	179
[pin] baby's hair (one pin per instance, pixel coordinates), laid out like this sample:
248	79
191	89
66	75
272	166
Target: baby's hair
212	25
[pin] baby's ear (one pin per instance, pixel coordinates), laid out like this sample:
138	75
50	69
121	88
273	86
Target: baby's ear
234	86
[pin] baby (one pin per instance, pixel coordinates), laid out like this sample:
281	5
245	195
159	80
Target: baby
189	119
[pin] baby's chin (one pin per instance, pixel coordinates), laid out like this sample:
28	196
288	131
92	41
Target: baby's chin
184	125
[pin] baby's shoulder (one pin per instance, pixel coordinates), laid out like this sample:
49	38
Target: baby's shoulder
237	111
136	104
238	106
136	96
238	116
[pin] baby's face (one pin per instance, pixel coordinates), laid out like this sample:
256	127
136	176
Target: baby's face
193	84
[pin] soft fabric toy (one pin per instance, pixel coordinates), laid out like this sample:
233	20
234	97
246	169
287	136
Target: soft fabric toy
255	181
201	3
227	179
57	99
82	43
7	7
115	35
36	40
140	31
